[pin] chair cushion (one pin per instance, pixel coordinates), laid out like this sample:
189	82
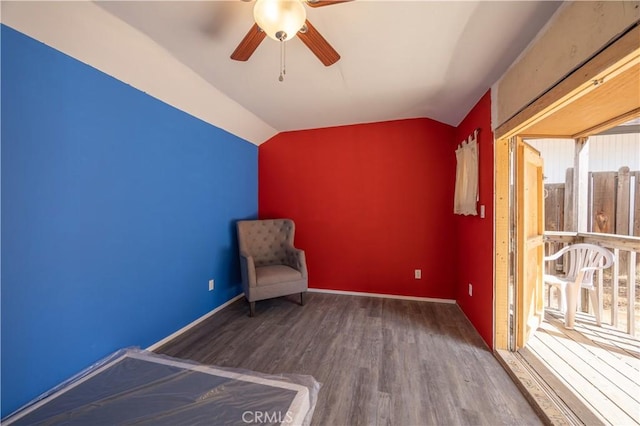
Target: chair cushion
273	274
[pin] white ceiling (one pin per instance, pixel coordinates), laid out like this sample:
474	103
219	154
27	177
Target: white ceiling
400	59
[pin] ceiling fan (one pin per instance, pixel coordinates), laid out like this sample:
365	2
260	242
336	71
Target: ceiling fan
282	20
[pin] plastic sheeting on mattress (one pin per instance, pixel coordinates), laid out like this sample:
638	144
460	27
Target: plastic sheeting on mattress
133	386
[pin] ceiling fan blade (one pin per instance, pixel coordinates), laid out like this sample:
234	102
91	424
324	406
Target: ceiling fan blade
249	44
320	3
318	45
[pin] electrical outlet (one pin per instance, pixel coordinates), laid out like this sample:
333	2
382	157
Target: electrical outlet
210	285
470	290
417	274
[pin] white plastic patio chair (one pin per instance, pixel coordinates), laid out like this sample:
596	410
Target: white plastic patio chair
583	260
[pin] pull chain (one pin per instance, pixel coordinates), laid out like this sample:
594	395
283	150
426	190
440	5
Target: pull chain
282	36
283	71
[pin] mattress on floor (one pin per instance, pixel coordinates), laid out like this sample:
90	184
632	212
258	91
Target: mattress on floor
133	386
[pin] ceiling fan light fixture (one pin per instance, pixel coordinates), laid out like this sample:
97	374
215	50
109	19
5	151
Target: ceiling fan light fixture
280	19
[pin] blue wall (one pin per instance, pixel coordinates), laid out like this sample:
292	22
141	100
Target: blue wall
116	211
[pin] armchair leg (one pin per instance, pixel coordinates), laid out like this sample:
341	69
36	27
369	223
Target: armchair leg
572	293
252	309
595	302
302	297
563	298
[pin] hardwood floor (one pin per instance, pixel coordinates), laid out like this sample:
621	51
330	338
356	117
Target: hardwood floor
380	361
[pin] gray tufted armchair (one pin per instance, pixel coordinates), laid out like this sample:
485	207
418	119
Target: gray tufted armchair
271	266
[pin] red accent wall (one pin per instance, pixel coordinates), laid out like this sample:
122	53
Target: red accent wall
474	236
371	202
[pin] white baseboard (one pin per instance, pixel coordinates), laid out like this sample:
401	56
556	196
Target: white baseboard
193	324
381	295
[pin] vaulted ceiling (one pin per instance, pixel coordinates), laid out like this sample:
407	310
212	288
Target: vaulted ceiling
399	59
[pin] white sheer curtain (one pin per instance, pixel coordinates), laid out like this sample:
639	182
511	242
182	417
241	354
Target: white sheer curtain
466	190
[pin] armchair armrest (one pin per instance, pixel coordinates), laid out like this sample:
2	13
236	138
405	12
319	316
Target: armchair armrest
594	268
554	256
248	270
297	260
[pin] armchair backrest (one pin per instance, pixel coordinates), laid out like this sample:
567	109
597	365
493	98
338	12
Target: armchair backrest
266	240
587	257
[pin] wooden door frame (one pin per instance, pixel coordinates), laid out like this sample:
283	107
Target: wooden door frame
528	158
607	64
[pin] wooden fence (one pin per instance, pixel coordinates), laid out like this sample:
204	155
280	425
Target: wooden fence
613	203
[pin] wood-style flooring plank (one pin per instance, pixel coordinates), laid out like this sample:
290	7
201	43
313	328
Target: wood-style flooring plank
588	369
557	386
602	353
575	378
379	361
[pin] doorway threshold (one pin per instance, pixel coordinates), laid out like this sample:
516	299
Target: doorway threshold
544	400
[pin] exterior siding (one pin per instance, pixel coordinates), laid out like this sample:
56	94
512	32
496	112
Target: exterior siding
606	153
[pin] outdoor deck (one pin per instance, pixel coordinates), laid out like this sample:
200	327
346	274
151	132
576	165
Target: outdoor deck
594	370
